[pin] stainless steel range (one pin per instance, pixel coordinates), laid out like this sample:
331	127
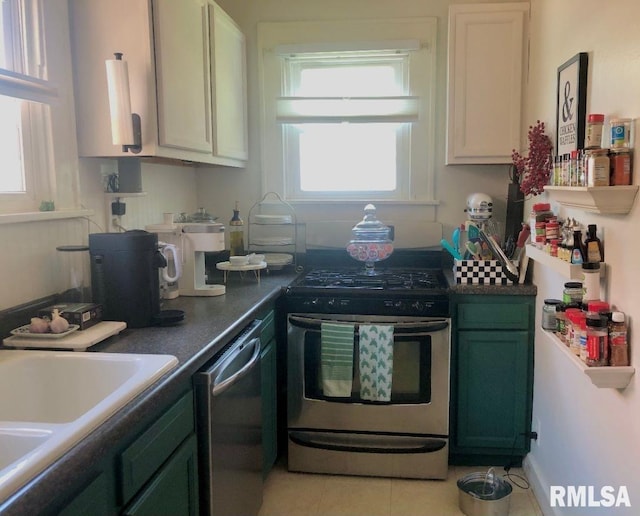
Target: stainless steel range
368	367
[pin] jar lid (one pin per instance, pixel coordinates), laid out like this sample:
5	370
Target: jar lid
617	317
541	206
552	302
370	229
620	120
597	306
573	284
592	266
596	117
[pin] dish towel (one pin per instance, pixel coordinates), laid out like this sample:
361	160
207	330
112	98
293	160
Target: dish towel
336	358
376	361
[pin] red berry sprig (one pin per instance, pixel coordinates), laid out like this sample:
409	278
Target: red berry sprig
533	170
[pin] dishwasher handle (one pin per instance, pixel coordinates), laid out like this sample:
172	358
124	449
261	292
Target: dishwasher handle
219	387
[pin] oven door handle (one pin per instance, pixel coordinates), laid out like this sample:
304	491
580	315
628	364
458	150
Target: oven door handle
413	328
428	445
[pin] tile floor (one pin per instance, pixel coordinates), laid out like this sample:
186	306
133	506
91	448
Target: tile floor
305	494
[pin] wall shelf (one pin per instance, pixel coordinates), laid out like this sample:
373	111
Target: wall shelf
597	199
603	377
568	270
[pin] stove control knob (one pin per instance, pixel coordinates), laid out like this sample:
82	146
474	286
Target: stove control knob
332	303
312	302
418	305
398	304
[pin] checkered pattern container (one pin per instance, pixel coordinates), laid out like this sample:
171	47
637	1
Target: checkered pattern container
479	272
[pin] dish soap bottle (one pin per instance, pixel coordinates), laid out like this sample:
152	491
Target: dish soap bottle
236	233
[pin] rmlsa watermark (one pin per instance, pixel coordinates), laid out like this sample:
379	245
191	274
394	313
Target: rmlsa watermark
589	496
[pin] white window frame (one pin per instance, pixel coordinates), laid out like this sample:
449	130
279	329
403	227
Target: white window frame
417	184
41	75
292	68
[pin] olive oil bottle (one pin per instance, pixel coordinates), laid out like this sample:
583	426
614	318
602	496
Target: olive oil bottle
236	233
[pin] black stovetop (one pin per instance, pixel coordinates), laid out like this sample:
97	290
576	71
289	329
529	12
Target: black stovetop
381	279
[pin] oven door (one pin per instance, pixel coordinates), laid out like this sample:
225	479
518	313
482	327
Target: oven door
419	401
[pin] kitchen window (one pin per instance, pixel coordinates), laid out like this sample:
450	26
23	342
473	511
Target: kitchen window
348	119
34	70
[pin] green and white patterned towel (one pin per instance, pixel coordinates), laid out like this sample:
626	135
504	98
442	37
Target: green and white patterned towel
376	361
336	357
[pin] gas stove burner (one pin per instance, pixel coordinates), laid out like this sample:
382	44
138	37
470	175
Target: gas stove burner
390	279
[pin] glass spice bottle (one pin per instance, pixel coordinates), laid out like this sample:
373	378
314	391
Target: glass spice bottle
597	345
549	314
618	341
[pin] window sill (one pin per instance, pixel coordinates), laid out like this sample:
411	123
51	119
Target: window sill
388	202
38	216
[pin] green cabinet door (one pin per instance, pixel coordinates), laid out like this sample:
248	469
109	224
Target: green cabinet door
173	491
492	390
95	499
269	406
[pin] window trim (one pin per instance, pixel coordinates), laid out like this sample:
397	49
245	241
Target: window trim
274	36
50	150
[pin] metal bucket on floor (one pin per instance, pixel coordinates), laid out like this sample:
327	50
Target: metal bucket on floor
484	494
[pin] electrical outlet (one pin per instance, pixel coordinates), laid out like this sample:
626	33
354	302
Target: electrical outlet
536	428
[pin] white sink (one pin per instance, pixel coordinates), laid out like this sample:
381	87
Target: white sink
50	400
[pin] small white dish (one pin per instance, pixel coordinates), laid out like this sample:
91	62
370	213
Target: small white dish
255	259
238	260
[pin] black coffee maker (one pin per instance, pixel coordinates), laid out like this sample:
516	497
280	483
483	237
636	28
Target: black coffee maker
124	276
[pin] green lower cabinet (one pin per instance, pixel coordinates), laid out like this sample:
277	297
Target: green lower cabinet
153	471
174	489
269	396
95	499
492	379
492	389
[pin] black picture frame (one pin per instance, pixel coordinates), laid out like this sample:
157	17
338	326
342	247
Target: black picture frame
571	104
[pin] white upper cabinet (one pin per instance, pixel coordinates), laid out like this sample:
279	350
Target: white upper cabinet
487	65
187	78
229	83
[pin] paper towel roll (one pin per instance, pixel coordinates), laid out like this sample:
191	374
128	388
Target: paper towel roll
119	101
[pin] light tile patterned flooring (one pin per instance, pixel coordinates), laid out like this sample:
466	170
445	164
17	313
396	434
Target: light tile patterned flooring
305	494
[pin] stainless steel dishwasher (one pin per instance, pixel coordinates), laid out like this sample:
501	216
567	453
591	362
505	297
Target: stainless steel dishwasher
229	409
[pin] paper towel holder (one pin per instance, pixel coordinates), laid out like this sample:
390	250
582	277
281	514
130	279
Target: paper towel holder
127	134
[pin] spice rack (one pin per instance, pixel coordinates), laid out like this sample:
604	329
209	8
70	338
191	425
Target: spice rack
608	377
596	199
272	231
568	270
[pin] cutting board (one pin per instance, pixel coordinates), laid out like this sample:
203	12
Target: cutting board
76	341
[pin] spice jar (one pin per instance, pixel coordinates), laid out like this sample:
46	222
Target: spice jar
618	342
561	321
620	167
572	292
620	133
581	343
597	348
593	135
598	167
549	314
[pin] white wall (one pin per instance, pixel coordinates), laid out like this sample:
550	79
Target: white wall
589	436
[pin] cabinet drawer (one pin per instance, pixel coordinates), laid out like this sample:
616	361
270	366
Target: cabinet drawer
268	329
140	461
493	316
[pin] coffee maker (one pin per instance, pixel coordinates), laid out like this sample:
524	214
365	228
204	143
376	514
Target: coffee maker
124	276
197	239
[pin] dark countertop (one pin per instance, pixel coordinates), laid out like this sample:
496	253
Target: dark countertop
210	323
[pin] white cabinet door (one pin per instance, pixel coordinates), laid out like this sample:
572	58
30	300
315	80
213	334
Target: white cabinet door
184	106
487	66
229	85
